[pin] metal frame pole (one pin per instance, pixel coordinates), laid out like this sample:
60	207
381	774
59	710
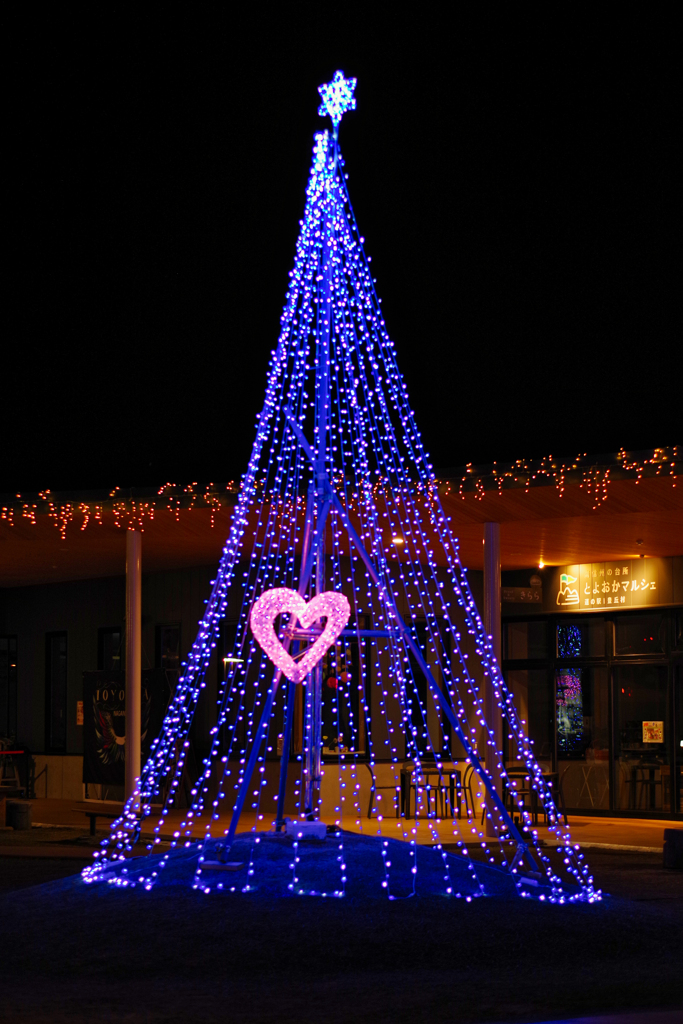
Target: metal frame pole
314	766
133	659
492	628
284	760
251	764
314	684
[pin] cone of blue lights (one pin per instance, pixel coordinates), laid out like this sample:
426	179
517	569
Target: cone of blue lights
359	658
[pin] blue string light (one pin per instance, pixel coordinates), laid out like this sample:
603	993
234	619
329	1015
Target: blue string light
334	380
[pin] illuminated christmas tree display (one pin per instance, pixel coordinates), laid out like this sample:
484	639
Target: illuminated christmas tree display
359	657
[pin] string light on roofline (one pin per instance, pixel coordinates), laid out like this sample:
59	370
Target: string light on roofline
136	512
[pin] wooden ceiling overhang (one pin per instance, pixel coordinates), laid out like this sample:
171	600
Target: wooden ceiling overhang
539	522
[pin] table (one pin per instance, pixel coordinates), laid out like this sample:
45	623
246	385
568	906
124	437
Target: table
422	775
651	767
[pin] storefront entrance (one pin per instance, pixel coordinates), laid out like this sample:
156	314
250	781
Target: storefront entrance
603	702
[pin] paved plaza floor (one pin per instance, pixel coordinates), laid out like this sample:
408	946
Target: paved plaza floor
73	953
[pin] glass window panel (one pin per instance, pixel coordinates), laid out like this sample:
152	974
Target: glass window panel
57	692
111	651
525	640
4	687
581	708
638	634
169	648
584	638
678	771
532	691
641	736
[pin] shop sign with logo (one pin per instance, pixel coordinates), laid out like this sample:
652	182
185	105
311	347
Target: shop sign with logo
628	583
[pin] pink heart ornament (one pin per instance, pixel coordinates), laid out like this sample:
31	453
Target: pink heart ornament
330	605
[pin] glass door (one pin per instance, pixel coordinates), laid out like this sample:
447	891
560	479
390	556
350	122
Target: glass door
641	738
582	723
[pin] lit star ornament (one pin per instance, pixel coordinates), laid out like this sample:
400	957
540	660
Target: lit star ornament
337	98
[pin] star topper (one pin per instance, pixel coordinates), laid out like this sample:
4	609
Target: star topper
337	98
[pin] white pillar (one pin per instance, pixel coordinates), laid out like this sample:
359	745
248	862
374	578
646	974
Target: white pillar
492	626
133	658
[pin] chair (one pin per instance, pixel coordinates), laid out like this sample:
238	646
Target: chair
467	790
469	794
518	772
418	779
508	800
552	779
374	787
447	789
649	784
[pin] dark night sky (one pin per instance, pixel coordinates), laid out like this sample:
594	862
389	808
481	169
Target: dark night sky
514	181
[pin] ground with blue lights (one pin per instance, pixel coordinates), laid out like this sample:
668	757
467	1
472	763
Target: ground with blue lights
79	953
344	865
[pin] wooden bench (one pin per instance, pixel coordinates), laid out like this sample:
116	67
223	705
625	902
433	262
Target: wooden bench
98	809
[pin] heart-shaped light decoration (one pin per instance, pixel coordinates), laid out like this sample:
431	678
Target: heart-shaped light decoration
329	605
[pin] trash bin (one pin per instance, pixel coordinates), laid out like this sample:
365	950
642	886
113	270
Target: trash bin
18	814
673	848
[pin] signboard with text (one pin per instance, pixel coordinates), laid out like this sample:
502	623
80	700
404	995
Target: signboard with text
622	585
628	583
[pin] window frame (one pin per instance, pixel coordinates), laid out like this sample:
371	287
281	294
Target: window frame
102	632
12	707
50	747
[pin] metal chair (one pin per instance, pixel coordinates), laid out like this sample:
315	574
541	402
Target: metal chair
418	781
396	788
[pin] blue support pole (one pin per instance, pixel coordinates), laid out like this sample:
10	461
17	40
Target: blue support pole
251	764
284	761
304	576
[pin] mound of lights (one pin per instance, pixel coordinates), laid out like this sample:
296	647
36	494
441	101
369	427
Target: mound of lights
403	680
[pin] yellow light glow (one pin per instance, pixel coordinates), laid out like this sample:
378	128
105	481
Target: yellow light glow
397	540
541	564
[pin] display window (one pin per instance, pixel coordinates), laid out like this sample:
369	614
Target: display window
602	699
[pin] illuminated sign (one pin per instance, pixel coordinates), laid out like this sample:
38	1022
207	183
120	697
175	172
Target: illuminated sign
601	586
605	586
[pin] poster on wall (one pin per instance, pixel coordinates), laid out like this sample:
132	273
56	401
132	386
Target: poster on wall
104	722
653	732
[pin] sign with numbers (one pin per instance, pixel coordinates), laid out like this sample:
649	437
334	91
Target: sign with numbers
522	595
